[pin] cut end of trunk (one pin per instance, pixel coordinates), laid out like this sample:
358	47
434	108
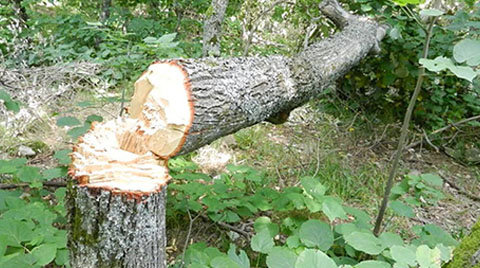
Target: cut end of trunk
162	100
129	155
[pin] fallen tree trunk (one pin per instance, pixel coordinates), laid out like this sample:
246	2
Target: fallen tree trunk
231	94
117	207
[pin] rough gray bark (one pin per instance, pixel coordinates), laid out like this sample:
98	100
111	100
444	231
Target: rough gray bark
231	94
105	13
114	230
212	28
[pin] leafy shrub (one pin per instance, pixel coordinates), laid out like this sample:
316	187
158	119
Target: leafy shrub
318	229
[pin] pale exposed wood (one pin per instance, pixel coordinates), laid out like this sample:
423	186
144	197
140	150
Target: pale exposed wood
117	210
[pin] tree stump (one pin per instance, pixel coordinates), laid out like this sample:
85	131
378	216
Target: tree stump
119	168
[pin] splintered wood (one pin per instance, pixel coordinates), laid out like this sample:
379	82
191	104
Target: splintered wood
130	154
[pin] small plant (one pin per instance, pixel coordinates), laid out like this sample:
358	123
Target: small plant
324	231
30	221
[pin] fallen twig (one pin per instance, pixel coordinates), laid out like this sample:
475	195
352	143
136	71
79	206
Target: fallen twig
230	227
5	186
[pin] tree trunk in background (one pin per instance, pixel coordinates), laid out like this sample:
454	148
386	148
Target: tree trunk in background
21	12
212	28
113	230
106	5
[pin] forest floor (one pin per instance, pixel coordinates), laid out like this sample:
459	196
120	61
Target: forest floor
351	156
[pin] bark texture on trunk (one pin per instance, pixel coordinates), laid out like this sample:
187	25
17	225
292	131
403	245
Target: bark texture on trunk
117	209
113	230
212	28
231	94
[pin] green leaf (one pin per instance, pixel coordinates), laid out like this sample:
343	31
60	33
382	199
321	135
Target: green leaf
262	223
68	121
53	173
427	257
365	242
431	12
231	216
433	235
373	264
78	131
293	241
8	102
14	232
401	209
390	239
44	254
446	253
313	187
468	51
29	174
313	258
432	179
403	255
262	242
223	262
406	2
94	118
442	63
62	257
241	259
314	233
63	156
333	209
280	257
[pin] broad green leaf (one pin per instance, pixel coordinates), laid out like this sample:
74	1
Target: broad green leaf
313	187
427	257
390	239
436	65
262	223
262	241
29	174
62	257
78	131
223	262
293	241
314	233
231	216
53	173
313	258
373	264
468	51
312	204
401	209
241	259
432	179
446	253
68	121
333	209
365	242
94	118
433	235
464	72
63	156
431	12
44	254
406	2
10	104
403	255
167	38
442	63
280	257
